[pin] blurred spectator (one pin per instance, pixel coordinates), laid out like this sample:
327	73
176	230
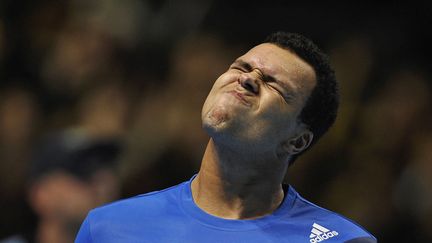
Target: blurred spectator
19	121
378	149
412	194
78	56
103	109
70	174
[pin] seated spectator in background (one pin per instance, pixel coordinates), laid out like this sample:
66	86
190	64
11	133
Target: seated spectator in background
70	174
19	120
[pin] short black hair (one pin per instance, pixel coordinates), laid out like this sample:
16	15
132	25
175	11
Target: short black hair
320	110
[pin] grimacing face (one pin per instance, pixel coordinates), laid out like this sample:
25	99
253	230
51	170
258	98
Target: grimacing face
257	101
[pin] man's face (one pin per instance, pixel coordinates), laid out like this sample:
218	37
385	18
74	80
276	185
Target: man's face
257	101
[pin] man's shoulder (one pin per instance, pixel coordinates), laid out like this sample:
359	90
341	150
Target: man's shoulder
141	204
322	222
131	217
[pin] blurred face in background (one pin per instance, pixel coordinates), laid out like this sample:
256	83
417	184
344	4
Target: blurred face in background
65	199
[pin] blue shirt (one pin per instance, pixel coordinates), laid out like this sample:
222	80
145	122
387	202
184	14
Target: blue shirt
172	216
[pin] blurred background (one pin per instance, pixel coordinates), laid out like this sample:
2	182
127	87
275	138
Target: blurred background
101	100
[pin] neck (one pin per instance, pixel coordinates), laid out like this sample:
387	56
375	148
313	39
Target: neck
234	185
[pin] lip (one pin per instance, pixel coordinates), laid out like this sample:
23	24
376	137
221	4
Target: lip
240	97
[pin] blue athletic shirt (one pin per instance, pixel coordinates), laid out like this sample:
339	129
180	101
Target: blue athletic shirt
171	215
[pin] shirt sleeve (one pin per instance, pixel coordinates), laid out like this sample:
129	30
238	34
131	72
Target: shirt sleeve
84	234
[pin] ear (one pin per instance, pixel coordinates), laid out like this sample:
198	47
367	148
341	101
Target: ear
299	143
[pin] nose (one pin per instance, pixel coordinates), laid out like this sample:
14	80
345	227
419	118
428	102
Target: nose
249	82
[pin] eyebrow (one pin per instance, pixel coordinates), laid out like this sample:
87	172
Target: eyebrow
243	64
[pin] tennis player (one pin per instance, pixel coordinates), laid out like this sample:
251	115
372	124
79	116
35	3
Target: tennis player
271	105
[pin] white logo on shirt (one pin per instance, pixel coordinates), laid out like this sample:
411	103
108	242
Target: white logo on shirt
320	233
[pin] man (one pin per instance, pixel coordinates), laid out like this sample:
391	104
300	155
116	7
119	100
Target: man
267	108
71	173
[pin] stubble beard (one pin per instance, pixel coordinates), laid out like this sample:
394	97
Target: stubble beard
216	120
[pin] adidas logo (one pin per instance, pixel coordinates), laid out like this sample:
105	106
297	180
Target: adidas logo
319	233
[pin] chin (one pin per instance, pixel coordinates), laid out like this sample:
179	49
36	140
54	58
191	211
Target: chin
215	121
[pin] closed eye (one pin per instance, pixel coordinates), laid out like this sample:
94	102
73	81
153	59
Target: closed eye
279	86
242	66
287	96
237	68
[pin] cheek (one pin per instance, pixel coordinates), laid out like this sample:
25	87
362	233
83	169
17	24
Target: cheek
273	106
276	114
225	79
218	87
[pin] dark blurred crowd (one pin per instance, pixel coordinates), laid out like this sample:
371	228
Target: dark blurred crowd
101	100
